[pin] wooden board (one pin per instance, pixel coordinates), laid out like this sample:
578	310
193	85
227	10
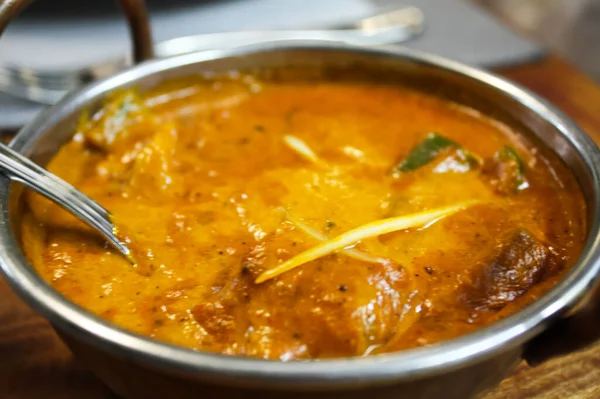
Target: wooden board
35	364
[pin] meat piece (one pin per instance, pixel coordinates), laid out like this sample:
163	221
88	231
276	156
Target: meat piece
520	263
215	317
506	171
338	309
116	126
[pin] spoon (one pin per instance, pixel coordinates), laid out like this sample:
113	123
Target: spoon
393	26
18	168
48	87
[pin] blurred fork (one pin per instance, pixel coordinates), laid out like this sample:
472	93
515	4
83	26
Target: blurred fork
18	168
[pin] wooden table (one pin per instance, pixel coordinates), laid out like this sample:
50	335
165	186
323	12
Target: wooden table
35	364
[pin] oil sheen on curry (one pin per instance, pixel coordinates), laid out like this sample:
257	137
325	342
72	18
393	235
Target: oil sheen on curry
305	218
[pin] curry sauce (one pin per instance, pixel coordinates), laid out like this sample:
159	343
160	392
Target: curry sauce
214	181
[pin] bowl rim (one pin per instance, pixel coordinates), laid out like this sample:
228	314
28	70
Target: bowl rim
509	333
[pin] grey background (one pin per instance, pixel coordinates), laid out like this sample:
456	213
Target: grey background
73	34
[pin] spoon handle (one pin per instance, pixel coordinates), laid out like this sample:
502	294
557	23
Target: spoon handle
395	26
211	41
18	168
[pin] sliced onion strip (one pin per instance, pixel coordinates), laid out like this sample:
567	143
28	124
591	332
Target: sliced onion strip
369	230
353	253
302	149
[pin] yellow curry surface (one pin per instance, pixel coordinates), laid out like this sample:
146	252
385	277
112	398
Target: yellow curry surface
213	181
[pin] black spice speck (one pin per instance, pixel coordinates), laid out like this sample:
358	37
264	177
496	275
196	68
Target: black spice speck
342	288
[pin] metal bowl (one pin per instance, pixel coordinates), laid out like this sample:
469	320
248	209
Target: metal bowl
135	366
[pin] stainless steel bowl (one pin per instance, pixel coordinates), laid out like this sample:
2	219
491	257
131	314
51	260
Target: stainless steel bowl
139	367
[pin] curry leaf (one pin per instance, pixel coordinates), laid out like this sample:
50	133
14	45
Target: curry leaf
425	152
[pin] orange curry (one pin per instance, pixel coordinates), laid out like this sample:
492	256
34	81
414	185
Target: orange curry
294	219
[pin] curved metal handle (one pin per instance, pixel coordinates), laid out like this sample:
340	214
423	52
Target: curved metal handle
135	12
